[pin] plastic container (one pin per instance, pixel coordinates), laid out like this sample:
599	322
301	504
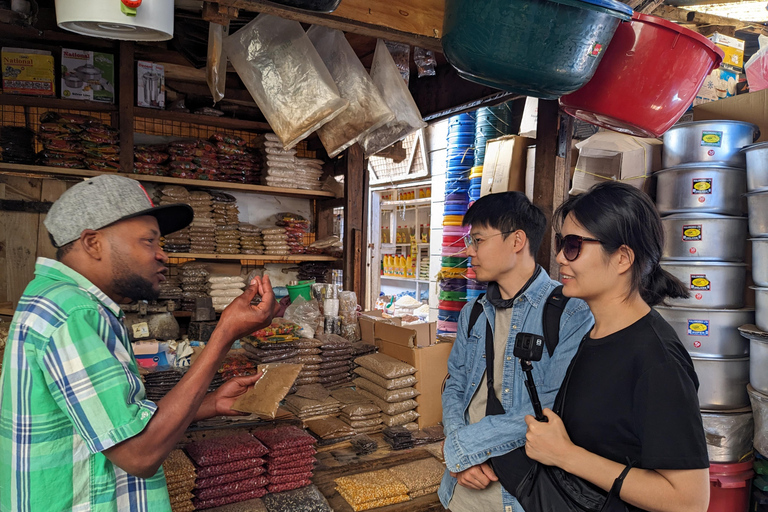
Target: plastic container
540	48
303	289
647	79
730	486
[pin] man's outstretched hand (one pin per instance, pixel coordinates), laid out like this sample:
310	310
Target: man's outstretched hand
219	402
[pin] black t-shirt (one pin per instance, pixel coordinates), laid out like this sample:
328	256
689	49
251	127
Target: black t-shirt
633	394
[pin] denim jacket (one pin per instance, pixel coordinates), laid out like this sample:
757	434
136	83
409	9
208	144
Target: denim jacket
469	445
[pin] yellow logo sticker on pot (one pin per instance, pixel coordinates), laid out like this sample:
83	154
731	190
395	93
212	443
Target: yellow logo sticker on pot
700	282
698	328
712	139
691	233
701	186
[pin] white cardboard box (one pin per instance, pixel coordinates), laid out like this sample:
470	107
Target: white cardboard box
504	166
150	85
615	156
87	75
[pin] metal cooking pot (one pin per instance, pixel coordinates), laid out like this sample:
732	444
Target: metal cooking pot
757	166
88	72
712	284
729	435
701	188
708	142
760	261
757	206
704	237
722	382
761	307
758	357
73	81
710	332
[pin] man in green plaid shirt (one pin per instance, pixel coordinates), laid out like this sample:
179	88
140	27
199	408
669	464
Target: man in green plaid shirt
76	430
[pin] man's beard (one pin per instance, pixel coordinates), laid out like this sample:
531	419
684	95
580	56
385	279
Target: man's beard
129	285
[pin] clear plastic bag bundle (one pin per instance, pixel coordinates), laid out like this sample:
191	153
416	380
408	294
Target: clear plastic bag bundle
387	78
285	75
367	110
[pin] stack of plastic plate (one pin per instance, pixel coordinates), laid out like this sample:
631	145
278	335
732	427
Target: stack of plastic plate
475	182
492	122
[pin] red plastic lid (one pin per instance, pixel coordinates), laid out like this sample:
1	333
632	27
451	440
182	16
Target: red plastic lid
730	468
648	18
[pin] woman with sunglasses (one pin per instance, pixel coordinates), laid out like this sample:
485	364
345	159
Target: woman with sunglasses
631	389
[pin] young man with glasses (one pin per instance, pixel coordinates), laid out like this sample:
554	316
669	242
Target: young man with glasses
483	417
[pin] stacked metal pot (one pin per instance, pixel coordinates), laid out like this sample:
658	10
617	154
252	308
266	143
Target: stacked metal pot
701	197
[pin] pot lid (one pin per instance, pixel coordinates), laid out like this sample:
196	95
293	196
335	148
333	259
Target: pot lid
700	166
759	145
713	121
751	332
655	20
721	359
686	263
703	216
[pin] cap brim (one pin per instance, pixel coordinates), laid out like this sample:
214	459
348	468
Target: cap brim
170	217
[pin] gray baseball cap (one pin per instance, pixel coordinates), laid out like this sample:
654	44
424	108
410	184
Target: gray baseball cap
98	202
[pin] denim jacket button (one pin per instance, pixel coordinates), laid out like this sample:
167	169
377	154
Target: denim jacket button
488	453
509	358
506	390
514	327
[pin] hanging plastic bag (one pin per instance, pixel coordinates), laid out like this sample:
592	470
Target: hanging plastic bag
216	66
401	56
367	110
286	77
425	61
756	67
386	76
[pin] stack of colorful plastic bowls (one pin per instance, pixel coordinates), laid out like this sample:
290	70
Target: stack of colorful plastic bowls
474	287
460	159
475	182
492	122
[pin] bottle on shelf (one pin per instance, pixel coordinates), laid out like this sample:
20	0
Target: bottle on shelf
409	267
399	235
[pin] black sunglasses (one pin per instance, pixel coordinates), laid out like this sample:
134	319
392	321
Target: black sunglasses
571	245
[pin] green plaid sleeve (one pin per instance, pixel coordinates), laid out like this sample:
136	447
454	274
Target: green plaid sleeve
88	373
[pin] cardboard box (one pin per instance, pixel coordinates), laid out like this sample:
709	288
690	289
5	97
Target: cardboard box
150	85
719	84
87	75
28	72
413	335
504	166
750	108
368	321
431	365
733	49
615	156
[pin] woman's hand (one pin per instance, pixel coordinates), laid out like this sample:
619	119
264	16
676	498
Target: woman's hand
547	442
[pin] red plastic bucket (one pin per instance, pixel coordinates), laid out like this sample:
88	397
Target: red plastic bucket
730	485
648	77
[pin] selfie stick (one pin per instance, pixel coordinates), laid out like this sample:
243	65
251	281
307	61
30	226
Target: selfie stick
531	387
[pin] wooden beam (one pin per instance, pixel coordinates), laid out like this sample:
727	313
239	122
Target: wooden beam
552	172
126	101
356	194
685	16
416	23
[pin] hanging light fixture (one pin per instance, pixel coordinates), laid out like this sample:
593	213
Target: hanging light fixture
128	20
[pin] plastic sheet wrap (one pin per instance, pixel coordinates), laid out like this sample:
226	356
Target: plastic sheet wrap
216	65
367	109
760	414
305	313
729	436
285	75
387	78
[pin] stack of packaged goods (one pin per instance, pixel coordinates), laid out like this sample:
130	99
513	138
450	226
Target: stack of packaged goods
284	169
236	162
228	239
170	290
329	430
152	160
399	438
194	278
291	458
275	242
192	159
236	365
424	269
275	343
350	327
178	241
372	490
296	228
180	476
314	270
224	289
202	230
251	241
225	210
160	380
230	469
335	359
452	277
421	477
312	401
17	145
304	499
359	412
78	142
388	383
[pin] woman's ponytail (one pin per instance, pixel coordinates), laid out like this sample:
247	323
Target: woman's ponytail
659	284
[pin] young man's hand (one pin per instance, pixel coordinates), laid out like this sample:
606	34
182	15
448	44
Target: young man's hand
220	402
477	477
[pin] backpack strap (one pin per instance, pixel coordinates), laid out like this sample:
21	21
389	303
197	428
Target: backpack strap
477	310
553	310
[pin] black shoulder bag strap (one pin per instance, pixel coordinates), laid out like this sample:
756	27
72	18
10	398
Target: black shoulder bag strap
553	311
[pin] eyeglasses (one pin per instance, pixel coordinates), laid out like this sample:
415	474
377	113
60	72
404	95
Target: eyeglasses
472	242
571	245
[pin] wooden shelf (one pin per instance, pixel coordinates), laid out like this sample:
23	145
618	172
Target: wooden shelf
424	201
406	279
185	117
85	173
42	102
294	258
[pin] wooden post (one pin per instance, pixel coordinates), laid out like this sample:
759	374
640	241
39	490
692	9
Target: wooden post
126	101
355	198
552	172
